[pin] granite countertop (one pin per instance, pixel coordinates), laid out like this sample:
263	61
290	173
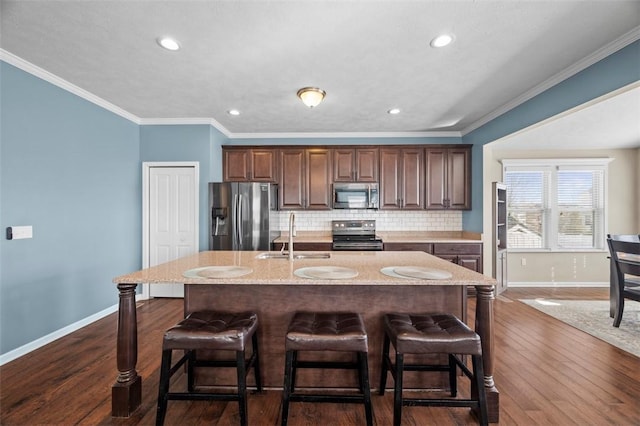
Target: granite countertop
390	237
282	271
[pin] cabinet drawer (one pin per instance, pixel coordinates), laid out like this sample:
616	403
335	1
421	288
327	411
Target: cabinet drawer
426	247
456	248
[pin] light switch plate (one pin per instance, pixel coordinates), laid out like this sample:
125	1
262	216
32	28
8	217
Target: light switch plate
19	232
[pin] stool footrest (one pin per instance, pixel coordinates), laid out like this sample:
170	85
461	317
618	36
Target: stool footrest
325	398
326	364
442	402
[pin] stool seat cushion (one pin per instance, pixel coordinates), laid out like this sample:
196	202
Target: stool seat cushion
431	333
312	331
212	330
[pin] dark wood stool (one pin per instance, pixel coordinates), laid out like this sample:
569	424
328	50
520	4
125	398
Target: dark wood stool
209	330
433	334
342	332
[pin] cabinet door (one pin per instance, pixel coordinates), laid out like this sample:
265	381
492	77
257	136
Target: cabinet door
412	180
470	262
292	179
318	178
390	169
235	165
436	178
343	161
458	179
366	164
263	165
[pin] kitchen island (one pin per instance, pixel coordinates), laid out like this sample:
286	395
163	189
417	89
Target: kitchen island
275	288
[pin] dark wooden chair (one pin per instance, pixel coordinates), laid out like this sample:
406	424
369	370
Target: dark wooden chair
625	255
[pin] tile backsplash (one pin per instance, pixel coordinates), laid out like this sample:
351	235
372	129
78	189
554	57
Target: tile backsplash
386	220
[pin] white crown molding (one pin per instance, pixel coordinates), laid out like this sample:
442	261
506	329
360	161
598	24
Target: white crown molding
45	75
307	135
596	56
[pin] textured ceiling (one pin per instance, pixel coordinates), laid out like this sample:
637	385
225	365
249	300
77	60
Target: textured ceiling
369	56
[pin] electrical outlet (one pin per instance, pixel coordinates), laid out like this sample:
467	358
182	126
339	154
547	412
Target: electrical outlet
523	261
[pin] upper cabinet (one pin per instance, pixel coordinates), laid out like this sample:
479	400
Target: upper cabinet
411	177
305	179
448	178
355	165
401	178
249	164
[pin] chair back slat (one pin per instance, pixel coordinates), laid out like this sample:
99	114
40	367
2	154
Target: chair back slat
626	255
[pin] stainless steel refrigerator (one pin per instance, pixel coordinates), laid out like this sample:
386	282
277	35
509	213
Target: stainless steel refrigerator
242	215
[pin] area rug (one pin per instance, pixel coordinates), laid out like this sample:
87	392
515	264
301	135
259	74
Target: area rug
592	317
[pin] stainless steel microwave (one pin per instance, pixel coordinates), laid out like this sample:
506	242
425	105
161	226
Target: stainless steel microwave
355	196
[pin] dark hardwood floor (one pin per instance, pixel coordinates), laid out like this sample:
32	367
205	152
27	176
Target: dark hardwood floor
548	373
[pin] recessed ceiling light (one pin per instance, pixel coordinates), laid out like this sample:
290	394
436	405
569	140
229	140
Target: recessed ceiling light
169	43
394	111
442	40
234	112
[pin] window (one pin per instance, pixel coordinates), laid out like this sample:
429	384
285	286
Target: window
556	205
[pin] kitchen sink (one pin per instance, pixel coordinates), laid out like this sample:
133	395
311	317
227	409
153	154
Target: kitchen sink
285	255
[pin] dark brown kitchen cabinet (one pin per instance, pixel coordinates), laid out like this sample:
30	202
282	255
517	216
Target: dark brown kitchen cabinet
355	165
468	255
448	178
303	246
305	179
402	178
253	164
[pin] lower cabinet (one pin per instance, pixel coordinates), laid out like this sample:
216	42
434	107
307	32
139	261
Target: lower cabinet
305	246
468	255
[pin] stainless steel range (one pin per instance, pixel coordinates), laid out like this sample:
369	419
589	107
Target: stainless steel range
355	235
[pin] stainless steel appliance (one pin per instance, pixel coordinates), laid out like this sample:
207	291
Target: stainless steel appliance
242	215
355	196
355	235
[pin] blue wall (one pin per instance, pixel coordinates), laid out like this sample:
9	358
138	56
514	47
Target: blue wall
611	73
71	170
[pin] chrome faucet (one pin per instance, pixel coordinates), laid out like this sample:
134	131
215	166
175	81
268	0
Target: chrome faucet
292	220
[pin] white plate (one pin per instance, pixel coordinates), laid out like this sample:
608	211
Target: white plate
230	271
420	272
326	272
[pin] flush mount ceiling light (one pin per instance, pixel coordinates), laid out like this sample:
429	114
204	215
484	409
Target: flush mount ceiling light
169	43
311	96
233	112
442	40
394	111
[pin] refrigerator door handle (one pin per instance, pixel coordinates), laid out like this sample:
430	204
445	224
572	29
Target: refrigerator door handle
234	215
239	221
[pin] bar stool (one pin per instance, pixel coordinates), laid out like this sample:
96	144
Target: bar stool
216	331
432	334
342	332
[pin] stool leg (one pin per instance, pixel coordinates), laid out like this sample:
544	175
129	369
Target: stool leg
453	380
163	387
256	362
242	386
397	392
286	391
363	364
383	367
190	376
294	368
478	374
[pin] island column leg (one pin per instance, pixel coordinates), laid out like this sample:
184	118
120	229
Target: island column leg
485	296
126	392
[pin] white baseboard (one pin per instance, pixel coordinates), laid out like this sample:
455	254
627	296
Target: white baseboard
556	284
44	340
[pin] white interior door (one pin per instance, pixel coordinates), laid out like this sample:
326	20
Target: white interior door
172	220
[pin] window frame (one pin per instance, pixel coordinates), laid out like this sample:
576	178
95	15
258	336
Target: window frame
550	199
